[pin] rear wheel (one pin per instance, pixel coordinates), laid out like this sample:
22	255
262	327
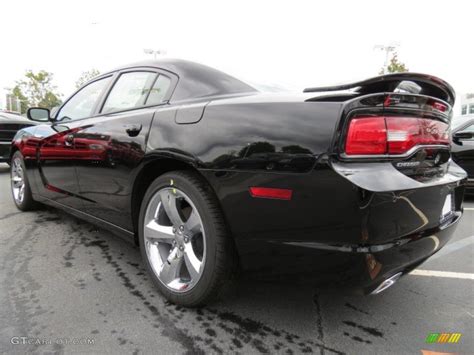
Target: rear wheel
183	239
20	185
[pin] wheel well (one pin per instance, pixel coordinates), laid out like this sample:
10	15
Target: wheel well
145	177
148	174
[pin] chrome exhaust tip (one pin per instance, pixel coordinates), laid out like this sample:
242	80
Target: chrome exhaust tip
386	283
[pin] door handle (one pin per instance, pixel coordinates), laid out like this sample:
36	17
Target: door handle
133	129
69	140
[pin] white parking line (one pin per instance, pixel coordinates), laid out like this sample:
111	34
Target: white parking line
449	274
454	246
468	208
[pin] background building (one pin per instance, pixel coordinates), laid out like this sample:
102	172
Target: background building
467	104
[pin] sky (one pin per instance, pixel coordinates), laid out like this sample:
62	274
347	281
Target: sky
295	43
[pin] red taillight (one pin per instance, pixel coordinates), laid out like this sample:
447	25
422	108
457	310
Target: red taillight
366	135
375	135
268	192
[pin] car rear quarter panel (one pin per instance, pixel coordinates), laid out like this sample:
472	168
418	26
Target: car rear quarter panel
265	137
272	144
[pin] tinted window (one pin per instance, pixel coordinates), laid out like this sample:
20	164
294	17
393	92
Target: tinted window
159	90
82	104
130	91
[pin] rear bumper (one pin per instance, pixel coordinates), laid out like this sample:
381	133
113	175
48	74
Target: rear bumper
334	232
5	148
358	266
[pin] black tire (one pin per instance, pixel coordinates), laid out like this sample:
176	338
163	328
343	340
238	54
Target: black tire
27	203
220	259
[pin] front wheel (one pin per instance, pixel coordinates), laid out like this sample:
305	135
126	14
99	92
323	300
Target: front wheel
20	185
184	240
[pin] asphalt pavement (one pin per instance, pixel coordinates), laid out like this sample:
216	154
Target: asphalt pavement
67	286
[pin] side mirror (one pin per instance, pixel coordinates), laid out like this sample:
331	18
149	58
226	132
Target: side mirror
38	114
459	136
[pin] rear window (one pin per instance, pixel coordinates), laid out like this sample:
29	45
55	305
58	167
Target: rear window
159	90
130	91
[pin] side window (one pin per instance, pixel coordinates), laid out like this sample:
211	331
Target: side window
471	108
159	90
463	109
82	104
130	91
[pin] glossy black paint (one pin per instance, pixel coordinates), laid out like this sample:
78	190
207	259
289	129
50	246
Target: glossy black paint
363	219
419	84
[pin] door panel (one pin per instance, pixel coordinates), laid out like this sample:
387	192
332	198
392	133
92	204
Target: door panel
108	153
56	159
57	153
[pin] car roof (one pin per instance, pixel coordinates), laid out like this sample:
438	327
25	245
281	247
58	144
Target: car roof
195	80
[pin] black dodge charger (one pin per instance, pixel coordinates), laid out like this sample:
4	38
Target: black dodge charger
350	185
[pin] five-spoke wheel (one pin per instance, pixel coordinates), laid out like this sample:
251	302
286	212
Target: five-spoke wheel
17	180
20	187
183	239
174	239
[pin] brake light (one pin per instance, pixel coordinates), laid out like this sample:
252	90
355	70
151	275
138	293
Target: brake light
380	135
366	135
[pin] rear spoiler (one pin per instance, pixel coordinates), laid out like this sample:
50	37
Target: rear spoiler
413	83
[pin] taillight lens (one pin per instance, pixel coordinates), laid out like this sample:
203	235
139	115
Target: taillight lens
376	135
366	135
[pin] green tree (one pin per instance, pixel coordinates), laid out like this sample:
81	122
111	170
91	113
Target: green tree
36	89
395	66
16	92
86	76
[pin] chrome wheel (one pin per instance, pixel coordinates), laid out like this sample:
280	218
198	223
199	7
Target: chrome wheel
174	239
17	180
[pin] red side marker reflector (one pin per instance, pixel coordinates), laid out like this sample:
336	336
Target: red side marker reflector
268	192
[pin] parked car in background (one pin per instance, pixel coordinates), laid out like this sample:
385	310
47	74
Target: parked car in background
462	146
10	123
351	184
